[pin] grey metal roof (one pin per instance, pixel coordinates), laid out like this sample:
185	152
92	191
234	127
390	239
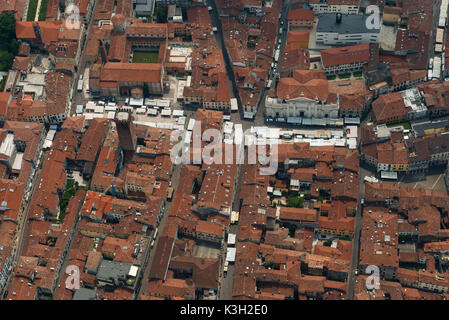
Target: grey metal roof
350	23
113	271
84	294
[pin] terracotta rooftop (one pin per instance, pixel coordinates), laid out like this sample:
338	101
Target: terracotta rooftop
345	55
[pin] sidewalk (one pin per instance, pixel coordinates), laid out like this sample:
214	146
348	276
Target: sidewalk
36	18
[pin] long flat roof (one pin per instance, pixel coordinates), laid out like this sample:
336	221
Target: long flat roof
230	254
350	23
420	127
131	72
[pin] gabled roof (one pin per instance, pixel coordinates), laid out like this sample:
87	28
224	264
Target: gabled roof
310	84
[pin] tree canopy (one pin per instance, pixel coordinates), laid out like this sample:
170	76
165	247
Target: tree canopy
7	27
9	46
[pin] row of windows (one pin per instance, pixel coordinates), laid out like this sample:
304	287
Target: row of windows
335	232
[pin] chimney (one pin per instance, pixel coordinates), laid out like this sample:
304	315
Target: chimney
38	34
103	52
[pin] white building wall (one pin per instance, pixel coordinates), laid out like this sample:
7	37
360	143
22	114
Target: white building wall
300	107
333	38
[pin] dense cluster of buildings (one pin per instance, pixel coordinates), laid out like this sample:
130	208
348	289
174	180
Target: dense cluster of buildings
300	250
250	33
389	56
21	145
392	152
102	220
100	195
190	249
404	234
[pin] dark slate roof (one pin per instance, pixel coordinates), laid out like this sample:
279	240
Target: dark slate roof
350	23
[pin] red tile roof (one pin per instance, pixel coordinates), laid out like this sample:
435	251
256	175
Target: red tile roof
301	14
299	214
310	84
131	72
345	55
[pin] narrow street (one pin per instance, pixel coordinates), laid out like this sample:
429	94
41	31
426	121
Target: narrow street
23	222
355	256
147	267
216	22
227	283
23	217
259	119
76	97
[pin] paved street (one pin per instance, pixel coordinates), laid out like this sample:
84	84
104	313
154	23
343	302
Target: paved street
357	233
147	267
78	98
355	255
259	117
30	93
216	22
227	283
23	218
434	180
23	222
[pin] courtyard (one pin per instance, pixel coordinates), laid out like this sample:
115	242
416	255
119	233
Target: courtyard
145	57
204	250
434	180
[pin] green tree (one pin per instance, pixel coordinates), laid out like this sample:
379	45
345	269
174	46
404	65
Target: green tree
43	10
6	59
8	42
14	46
7	27
296	202
32	9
